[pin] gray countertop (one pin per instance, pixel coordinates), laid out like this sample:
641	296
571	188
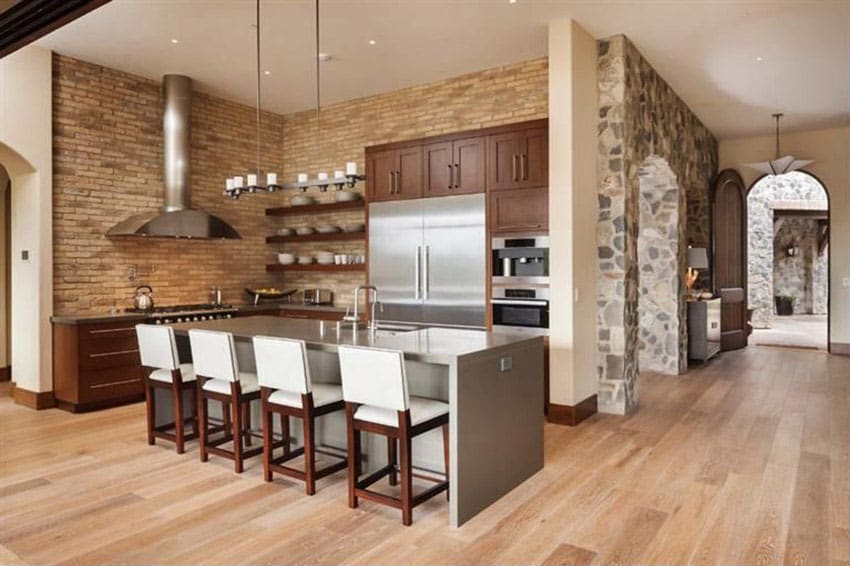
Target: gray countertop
103	317
430	345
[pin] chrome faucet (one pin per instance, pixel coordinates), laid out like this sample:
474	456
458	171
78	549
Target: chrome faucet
372	298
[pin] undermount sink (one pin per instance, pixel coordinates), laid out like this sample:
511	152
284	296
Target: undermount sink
397	327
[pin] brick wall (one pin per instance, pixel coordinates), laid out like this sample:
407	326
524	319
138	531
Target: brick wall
108	165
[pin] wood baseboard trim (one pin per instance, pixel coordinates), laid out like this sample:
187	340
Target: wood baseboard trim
571	415
6	373
839	348
34	400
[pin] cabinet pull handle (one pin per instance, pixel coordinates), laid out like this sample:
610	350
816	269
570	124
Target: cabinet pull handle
118	353
113	384
522	168
113	330
451	176
513	167
397	184
457	175
390	180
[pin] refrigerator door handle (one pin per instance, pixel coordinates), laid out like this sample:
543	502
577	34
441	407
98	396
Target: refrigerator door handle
417	283
425	260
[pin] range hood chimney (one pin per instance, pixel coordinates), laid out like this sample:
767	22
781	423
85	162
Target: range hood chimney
176	218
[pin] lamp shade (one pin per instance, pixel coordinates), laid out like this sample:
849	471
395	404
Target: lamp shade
697	258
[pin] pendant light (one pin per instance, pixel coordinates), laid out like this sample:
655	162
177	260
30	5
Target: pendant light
779	165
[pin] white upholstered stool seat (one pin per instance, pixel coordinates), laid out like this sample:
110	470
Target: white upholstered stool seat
421	410
248	382
323	394
288	390
159	356
187	371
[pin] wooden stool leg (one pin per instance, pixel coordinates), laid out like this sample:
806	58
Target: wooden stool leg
392	459
246	417
353	455
177	394
203	425
268	439
237	436
149	410
309	453
195	416
445	428
406	465
284	430
225	416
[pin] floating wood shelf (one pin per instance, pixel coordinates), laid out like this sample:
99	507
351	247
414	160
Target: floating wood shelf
275	267
316	208
336	236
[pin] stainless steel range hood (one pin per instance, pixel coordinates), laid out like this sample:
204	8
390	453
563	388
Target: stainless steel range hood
177	218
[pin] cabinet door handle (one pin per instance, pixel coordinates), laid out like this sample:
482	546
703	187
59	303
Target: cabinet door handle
390	181
522	168
113	330
451	176
113	383
118	353
513	167
457	175
397	184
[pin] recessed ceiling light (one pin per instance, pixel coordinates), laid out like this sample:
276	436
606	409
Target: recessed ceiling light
372	42
511	1
267	73
323	57
175	40
759	59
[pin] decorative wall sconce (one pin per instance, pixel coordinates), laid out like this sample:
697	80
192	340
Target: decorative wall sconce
792	250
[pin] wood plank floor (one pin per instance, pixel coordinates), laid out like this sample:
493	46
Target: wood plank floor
742	462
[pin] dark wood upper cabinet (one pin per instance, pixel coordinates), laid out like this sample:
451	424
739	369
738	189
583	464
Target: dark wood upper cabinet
394	174
470	165
519	159
519	210
438	165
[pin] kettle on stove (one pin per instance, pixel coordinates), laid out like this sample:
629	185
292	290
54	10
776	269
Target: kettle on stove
143	300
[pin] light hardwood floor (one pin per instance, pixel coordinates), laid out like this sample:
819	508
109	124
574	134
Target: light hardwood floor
742	462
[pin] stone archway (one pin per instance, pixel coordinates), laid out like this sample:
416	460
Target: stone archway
662	337
767	199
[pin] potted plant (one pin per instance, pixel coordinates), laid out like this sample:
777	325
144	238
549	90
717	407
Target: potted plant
784	304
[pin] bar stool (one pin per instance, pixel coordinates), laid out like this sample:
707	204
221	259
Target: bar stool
219	379
158	352
374	387
287	390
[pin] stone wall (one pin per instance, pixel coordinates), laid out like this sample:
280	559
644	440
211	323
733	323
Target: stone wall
802	275
108	165
640	116
795	189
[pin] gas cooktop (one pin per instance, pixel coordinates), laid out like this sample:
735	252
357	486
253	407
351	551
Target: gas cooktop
185	313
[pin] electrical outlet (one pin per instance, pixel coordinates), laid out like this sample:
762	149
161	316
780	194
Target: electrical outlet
25	255
846	282
506	363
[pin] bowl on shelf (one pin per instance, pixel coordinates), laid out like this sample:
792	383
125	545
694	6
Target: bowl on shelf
325	258
285	231
304	230
346	196
285	259
327	229
305	259
354	227
302	200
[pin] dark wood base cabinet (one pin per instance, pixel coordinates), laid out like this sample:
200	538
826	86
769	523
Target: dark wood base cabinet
96	365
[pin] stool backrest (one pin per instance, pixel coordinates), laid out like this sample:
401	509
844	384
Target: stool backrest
374	376
157	347
214	354
282	364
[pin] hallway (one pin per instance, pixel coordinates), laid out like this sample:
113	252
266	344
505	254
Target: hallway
742	461
807	331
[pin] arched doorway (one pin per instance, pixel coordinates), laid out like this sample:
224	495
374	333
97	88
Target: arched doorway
661	260
788	268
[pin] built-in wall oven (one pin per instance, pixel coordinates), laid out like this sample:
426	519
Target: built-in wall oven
522	307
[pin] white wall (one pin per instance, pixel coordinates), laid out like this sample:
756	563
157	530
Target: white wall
4	306
572	213
26	139
830	148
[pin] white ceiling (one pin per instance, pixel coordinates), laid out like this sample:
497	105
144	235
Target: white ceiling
707	50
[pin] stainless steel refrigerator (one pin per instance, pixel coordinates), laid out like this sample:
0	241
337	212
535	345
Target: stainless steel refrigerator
427	257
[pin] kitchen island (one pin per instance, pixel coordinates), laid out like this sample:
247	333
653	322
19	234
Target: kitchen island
492	383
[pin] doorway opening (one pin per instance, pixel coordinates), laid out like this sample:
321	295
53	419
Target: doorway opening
788	261
661	259
5	274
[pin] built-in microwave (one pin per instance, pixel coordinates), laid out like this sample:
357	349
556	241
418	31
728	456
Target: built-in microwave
521	259
525	307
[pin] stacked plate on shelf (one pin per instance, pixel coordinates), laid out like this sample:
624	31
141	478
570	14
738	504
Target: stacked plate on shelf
325	258
285	259
327	229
